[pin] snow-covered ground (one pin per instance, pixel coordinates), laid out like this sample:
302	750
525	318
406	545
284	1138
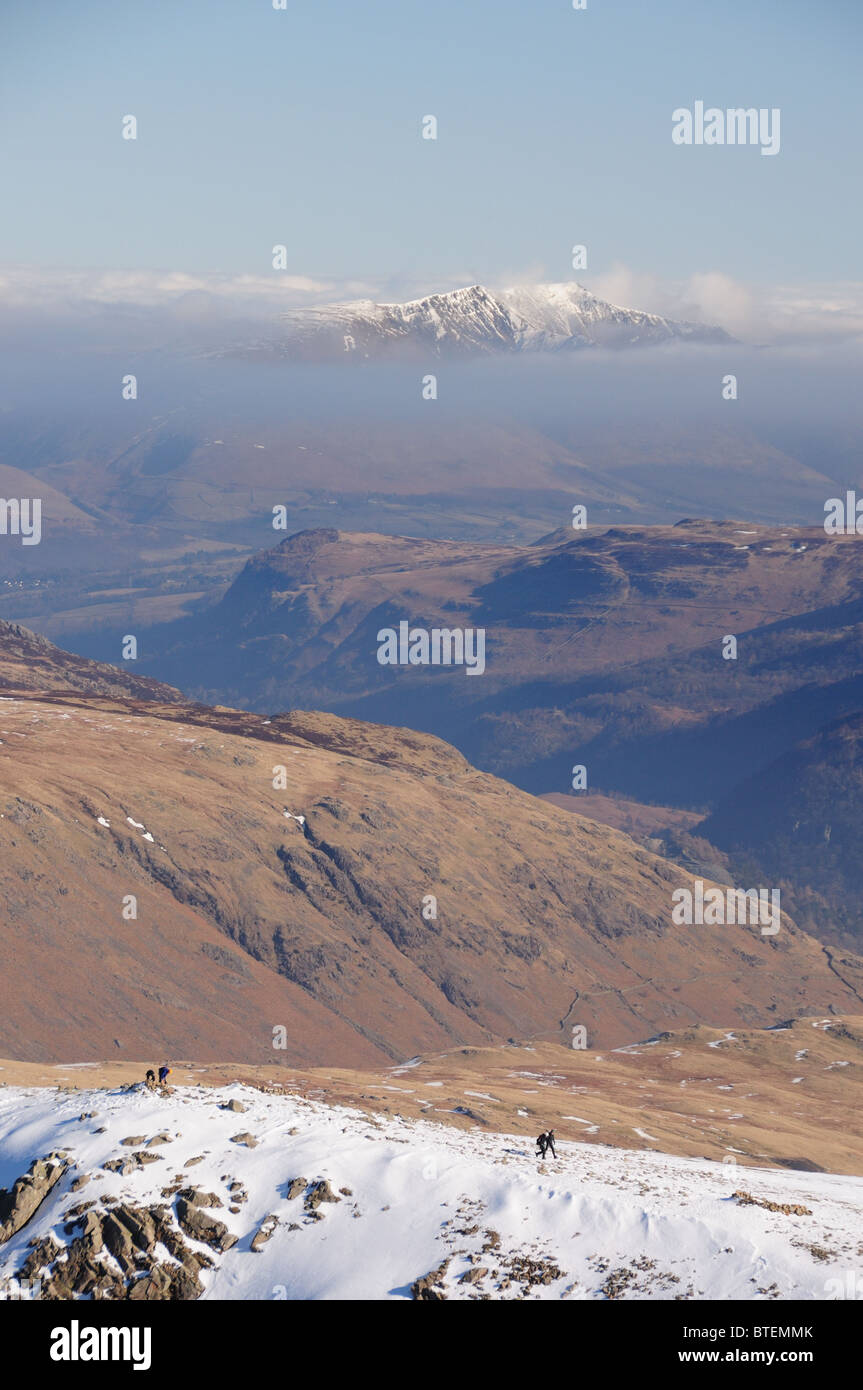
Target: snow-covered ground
596	1221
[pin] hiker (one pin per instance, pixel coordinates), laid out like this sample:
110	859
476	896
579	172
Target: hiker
544	1143
164	1073
150	1079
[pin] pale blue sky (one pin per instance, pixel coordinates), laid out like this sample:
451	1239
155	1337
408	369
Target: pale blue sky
259	126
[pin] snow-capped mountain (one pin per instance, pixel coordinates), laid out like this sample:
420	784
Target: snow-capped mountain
567	316
475	321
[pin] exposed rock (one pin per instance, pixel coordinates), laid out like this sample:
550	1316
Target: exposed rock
200	1226
27	1194
297	1186
193	1260
745	1199
529	1271
196	1198
131	1164
166	1282
427	1288
130	1235
473	1276
75	1212
235	1105
247	1139
127	1232
320	1192
42	1255
265	1231
133	1141
618	1281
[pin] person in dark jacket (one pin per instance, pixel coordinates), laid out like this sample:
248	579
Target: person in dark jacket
150	1078
544	1143
164	1073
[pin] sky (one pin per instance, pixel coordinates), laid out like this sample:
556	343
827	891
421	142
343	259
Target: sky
302	127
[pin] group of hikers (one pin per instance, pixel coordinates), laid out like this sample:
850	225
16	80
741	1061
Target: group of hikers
164	1073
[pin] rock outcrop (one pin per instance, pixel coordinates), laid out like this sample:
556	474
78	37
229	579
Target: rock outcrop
129	1235
24	1198
198	1224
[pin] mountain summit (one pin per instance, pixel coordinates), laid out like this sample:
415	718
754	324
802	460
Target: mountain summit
477	321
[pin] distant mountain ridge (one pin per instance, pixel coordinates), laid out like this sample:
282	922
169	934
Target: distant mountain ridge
475	321
603	648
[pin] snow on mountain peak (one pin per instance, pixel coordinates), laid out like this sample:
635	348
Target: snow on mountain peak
473	320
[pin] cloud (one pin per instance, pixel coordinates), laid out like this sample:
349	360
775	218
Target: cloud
56	290
775	313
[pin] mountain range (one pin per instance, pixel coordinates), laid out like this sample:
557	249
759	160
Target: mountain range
603	646
474	321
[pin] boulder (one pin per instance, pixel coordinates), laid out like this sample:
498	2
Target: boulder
196	1198
318	1193
427	1288
131	1163
473	1276
203	1227
24	1198
246	1139
264	1232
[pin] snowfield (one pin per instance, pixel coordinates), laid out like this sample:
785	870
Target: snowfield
412	1197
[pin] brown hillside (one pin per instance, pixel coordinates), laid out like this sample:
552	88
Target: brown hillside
248	919
30	662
